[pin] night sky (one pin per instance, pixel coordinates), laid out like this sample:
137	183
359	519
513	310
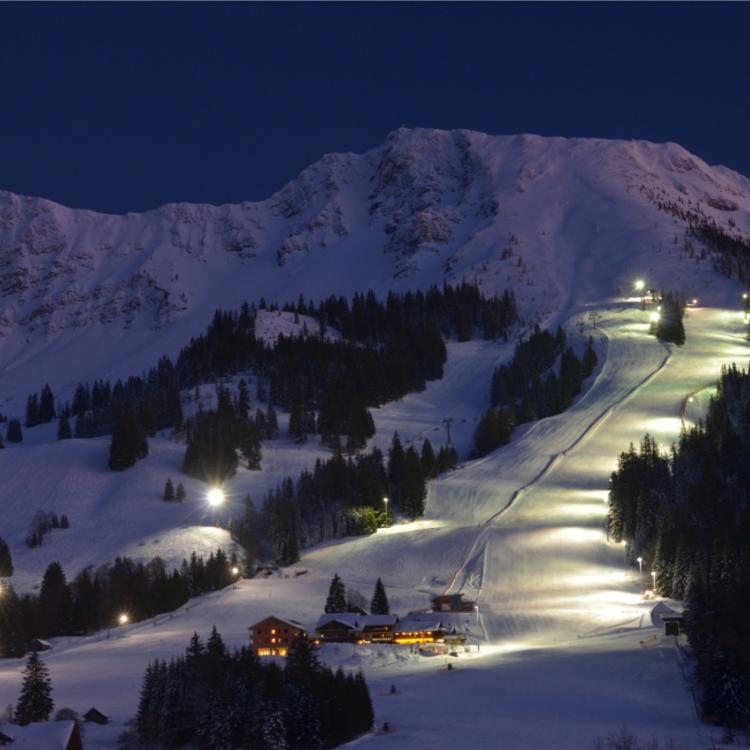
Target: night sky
126	107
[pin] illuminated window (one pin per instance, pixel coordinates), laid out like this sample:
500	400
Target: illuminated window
273	631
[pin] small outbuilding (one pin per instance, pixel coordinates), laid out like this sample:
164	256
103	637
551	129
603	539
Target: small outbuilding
96	716
452	603
5	738
39	645
671	619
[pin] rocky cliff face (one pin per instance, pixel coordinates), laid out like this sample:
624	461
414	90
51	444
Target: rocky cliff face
542	215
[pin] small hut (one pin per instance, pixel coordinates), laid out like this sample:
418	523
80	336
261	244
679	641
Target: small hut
40	645
96	716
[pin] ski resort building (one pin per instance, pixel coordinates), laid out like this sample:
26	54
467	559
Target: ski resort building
347	627
452	603
350	627
273	636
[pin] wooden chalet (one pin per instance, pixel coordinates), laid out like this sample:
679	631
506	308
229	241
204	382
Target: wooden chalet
377	628
273	636
338	627
96	716
452	603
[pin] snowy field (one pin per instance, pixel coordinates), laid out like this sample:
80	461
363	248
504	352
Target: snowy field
563	648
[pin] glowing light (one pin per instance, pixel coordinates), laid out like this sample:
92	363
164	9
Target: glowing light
235	571
639	285
654	317
744	295
215	497
695	300
123	619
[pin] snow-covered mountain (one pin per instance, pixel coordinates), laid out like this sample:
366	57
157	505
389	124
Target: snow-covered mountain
543	215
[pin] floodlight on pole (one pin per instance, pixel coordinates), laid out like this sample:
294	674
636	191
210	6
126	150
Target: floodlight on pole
639	285
215	497
653	579
235	571
654	317
640	569
385	503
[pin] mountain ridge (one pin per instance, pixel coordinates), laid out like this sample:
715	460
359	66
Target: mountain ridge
428	206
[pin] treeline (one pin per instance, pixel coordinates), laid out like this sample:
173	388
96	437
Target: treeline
461	311
342	496
213	698
388	349
528	388
668	326
687	514
95	598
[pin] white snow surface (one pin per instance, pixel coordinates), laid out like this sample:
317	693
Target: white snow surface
567	649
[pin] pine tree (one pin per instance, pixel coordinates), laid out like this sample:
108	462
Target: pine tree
379	603
128	443
6	562
32	410
63	429
46	405
272	423
429	465
274	731
35	702
14	433
336	601
169	494
180	493
243	400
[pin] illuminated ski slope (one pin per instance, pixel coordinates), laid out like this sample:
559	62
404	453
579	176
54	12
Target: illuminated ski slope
560	621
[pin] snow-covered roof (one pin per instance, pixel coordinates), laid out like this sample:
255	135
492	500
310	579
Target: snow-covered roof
414	624
46	735
42	642
356	621
293	623
662	610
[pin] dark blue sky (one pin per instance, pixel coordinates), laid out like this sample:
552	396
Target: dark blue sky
123	107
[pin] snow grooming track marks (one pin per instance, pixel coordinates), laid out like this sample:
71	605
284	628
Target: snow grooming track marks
478	547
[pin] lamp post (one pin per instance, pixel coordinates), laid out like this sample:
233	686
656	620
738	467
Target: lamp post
122	621
235	571
476	609
385	503
653	579
640	569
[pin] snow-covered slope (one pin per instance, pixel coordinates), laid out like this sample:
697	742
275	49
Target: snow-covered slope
565	223
557	219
